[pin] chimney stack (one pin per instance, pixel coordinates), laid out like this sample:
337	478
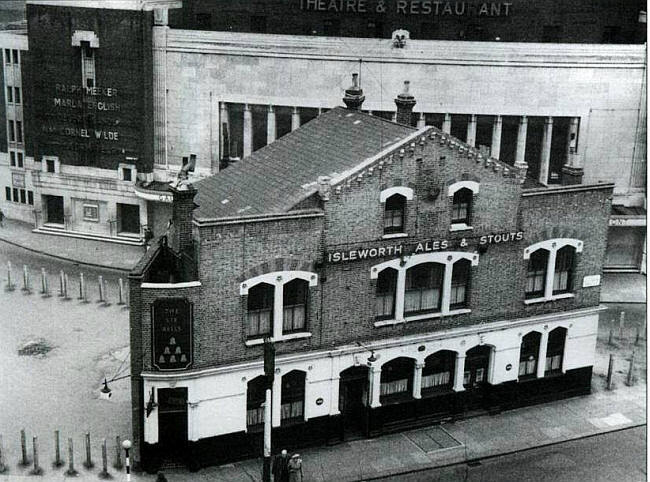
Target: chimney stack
180	232
354	95
405	103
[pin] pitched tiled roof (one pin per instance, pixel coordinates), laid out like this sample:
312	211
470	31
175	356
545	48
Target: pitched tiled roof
278	176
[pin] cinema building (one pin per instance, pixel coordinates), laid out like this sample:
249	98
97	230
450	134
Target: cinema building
103	102
404	277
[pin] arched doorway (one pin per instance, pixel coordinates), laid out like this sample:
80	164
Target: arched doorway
354	401
475	377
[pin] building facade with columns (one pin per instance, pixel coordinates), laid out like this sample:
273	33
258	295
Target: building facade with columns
404	276
573	111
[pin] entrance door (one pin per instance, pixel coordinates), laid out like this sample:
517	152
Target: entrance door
54	206
172	422
477	361
353	400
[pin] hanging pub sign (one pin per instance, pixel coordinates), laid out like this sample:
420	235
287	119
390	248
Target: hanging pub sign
171	320
426	246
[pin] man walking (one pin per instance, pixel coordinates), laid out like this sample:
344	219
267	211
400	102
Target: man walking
2	219
281	467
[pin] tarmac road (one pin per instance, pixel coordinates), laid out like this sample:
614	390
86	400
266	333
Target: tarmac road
613	457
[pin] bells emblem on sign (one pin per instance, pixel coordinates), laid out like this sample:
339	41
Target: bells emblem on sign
171	354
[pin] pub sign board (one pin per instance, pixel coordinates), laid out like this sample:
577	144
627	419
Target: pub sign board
172	320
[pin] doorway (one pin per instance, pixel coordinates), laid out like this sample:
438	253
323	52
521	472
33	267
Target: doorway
172	423
475	377
353	401
54	209
128	216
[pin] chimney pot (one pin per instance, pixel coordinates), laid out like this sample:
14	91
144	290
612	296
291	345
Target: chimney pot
405	103
354	95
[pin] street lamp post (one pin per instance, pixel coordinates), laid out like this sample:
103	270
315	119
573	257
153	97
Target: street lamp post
269	371
126	445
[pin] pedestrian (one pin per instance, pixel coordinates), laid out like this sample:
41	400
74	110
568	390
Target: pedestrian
2	218
161	477
281	467
295	468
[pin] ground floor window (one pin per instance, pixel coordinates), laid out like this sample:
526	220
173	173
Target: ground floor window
555	350
438	371
477	361
528	355
255	397
396	378
292	405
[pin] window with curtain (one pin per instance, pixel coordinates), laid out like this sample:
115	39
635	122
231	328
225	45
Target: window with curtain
555	350
563	270
461	207
260	309
295	305
528	355
396	377
255	397
292	405
536	274
394	214
385	294
423	288
459	284
438	371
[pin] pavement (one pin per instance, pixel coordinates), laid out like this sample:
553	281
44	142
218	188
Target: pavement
101	254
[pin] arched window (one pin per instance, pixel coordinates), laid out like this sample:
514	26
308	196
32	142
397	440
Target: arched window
438	371
528	355
293	397
536	275
295	305
555	350
394	214
562	281
255	396
461	208
385	293
423	288
459	284
260	310
396	379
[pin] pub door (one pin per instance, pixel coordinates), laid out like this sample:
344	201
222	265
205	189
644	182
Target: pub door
353	401
172	423
477	361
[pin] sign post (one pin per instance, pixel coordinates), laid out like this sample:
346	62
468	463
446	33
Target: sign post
269	371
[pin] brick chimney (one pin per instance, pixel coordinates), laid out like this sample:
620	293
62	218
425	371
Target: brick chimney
405	103
354	95
180	231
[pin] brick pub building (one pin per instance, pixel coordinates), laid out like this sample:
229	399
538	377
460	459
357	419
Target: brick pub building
404	277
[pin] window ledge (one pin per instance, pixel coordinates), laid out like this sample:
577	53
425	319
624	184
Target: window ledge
424	316
551	298
460	227
395	235
291	336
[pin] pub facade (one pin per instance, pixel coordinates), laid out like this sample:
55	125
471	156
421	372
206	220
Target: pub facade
403	276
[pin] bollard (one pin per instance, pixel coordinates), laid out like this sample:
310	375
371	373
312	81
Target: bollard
118	454
610	372
81	286
66	284
104	473
57	450
621	324
611	337
44	287
88	463
37	470
23	447
630	374
105	291
10	283
120	291
25	278
71	471
3	467
100	282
